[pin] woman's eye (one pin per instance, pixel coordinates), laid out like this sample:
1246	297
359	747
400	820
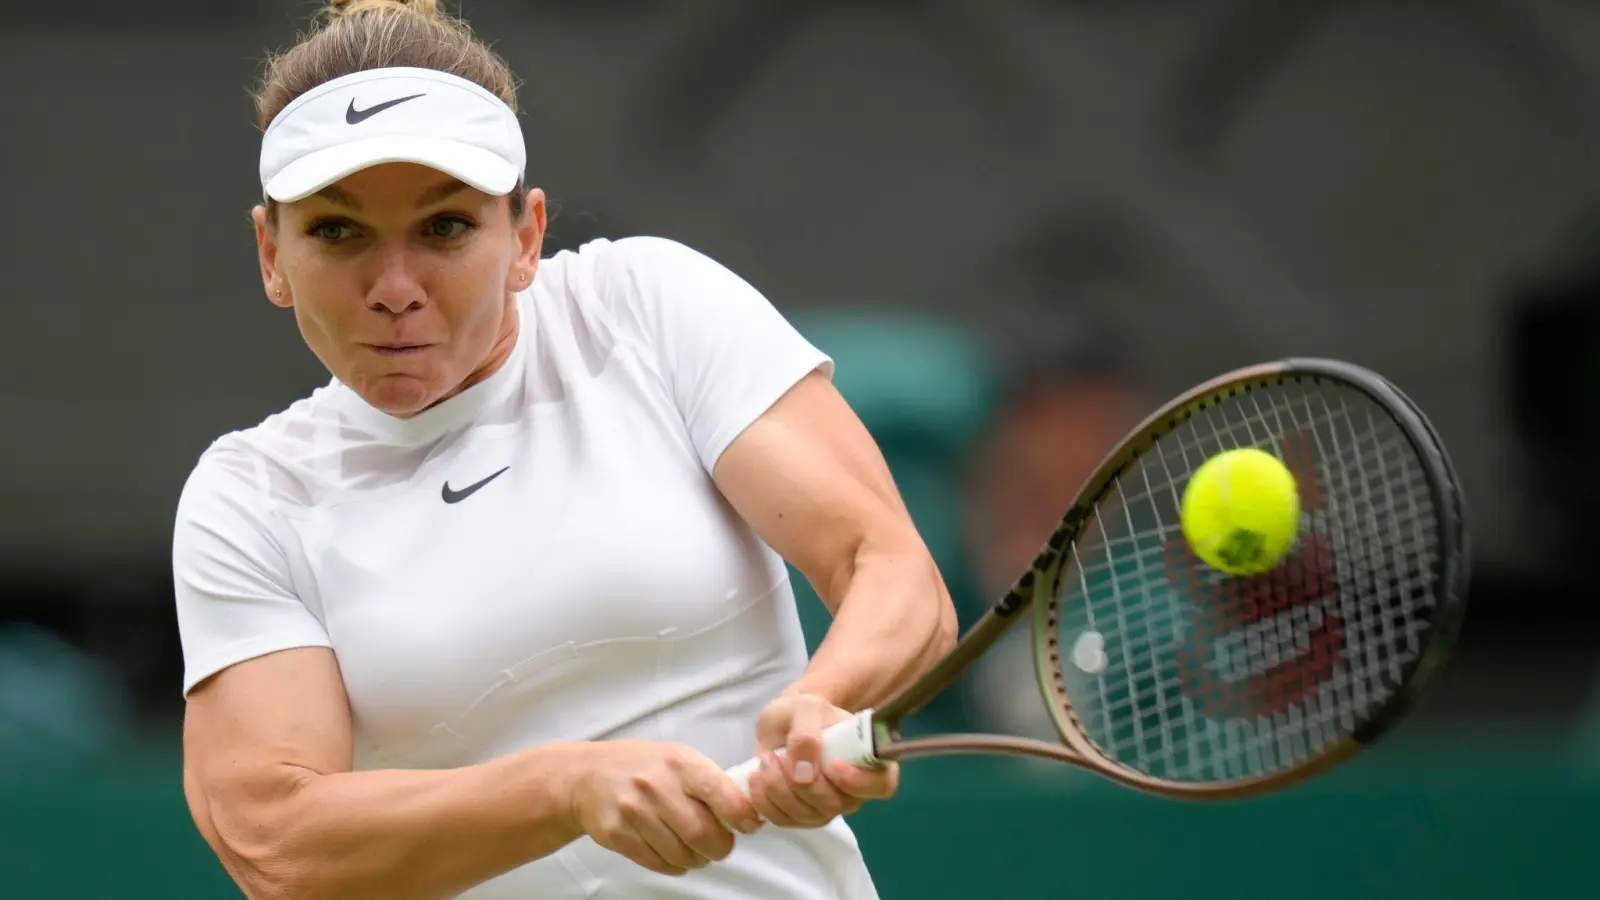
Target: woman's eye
331	231
448	228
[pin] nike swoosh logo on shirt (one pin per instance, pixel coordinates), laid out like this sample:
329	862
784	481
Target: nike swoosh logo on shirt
450	495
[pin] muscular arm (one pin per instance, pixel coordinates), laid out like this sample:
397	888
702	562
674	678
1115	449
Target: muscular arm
267	759
811	481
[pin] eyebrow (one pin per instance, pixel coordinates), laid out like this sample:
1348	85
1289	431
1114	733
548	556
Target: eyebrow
340	197
443	190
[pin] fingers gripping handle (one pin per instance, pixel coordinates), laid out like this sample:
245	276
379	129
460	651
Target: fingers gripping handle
849	741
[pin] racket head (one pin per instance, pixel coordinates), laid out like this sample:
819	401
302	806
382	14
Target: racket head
1336	644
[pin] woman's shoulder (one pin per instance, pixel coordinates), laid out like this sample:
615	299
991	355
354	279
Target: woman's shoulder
600	293
604	255
619	270
270	459
629	287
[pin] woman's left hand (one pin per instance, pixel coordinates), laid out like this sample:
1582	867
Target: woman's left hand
795	790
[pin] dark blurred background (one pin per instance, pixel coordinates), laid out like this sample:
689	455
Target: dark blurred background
1017	224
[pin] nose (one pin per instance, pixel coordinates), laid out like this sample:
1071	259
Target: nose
396	288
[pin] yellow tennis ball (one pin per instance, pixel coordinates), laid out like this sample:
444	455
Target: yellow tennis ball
1241	511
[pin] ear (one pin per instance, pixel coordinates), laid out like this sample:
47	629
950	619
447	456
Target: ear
267	250
530	241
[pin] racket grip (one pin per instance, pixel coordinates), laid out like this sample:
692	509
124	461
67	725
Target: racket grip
849	741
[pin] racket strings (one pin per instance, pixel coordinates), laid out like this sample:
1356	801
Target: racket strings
1183	673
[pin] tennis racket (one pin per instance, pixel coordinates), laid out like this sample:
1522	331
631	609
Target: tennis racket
1174	678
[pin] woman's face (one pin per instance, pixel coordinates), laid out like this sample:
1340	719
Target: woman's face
402	280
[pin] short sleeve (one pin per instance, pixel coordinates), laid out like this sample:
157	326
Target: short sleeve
235	599
724	350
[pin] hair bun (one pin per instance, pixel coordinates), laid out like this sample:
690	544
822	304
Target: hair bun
342	9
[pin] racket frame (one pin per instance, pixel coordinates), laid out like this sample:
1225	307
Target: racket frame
1451	572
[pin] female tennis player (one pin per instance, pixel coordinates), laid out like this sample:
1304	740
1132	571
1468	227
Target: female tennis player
490	613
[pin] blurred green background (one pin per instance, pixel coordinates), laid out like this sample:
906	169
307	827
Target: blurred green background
1492	822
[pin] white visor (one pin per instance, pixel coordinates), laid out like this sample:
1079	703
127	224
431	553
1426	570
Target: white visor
392	115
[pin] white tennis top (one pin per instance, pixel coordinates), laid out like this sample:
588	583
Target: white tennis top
588	582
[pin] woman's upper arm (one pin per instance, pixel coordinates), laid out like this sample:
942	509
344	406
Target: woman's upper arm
266	704
252	734
809	478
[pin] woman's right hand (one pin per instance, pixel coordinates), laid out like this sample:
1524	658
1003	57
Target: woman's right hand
660	804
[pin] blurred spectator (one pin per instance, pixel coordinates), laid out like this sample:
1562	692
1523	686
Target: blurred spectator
1068	397
58	705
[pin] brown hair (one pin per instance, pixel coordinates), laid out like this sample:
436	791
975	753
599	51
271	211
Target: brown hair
356	35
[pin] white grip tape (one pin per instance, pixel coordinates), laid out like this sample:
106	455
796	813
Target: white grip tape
849	741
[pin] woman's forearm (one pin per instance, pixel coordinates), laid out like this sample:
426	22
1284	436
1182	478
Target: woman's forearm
894	620
414	834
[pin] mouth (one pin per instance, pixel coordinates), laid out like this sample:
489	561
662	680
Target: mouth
397	348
